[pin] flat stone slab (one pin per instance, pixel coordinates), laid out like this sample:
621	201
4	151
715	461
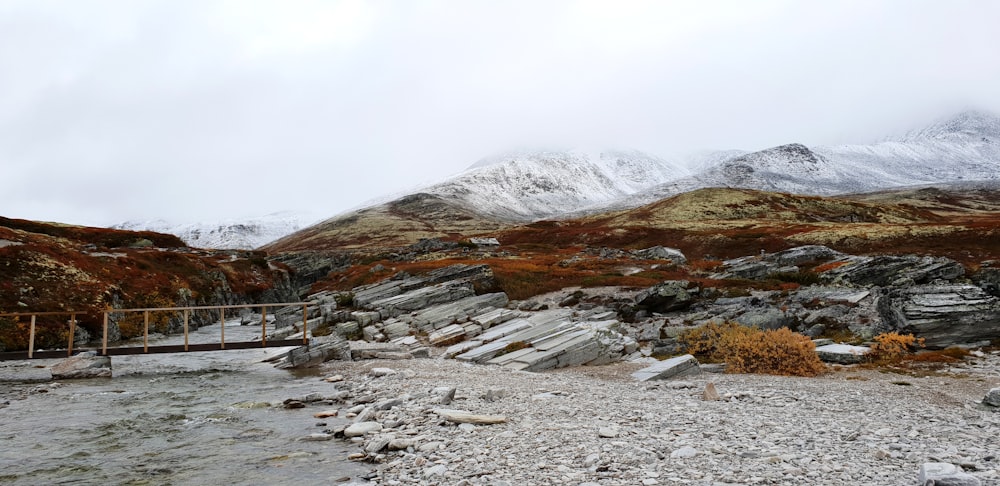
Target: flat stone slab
842	353
670	368
463	417
945	474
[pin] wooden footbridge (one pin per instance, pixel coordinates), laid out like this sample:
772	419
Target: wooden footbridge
105	350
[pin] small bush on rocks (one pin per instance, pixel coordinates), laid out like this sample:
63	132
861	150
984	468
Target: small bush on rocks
892	347
751	350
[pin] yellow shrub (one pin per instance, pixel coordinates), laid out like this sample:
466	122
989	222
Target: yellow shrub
892	347
751	350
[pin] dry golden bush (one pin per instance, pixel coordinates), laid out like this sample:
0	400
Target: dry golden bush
892	348
751	350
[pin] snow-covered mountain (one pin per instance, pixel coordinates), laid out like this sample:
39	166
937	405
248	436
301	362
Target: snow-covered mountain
963	147
246	234
536	185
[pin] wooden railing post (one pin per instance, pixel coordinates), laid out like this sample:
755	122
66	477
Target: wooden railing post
104	339
31	337
305	323
263	326
186	313
145	331
222	327
72	334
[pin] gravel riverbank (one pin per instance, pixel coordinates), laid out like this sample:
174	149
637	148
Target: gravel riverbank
596	425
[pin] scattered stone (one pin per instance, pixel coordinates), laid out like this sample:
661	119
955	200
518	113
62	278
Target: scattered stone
446	394
608	432
334	379
710	393
362	428
380	372
493	394
293	404
401	444
437	470
326	413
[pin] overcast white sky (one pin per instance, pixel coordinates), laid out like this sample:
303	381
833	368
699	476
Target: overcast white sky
204	110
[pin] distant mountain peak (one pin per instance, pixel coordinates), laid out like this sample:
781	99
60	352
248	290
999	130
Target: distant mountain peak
975	124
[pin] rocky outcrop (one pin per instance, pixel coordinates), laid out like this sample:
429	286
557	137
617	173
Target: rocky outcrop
667	296
944	315
320	350
891	270
545	340
768	264
661	253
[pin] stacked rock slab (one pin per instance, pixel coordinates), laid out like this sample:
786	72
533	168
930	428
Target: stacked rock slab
548	339
944	315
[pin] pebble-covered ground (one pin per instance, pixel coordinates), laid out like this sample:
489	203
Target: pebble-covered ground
598	426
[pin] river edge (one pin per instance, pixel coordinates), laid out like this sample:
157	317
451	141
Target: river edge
596	425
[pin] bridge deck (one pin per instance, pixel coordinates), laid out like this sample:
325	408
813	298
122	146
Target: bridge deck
172	348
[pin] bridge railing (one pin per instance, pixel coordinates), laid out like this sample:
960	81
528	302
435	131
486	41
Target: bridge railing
186	311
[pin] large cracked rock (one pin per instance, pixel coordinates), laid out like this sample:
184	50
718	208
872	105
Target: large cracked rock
944	315
892	270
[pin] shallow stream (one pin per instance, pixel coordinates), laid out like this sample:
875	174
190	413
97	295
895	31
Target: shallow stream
187	418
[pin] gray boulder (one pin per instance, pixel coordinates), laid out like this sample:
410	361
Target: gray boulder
83	365
992	398
768	319
667	296
944	315
661	253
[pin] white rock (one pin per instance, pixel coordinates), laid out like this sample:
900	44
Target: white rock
684	452
362	428
945	474
378	372
437	470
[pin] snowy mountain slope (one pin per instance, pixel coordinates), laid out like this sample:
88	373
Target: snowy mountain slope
963	147
538	185
244	234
